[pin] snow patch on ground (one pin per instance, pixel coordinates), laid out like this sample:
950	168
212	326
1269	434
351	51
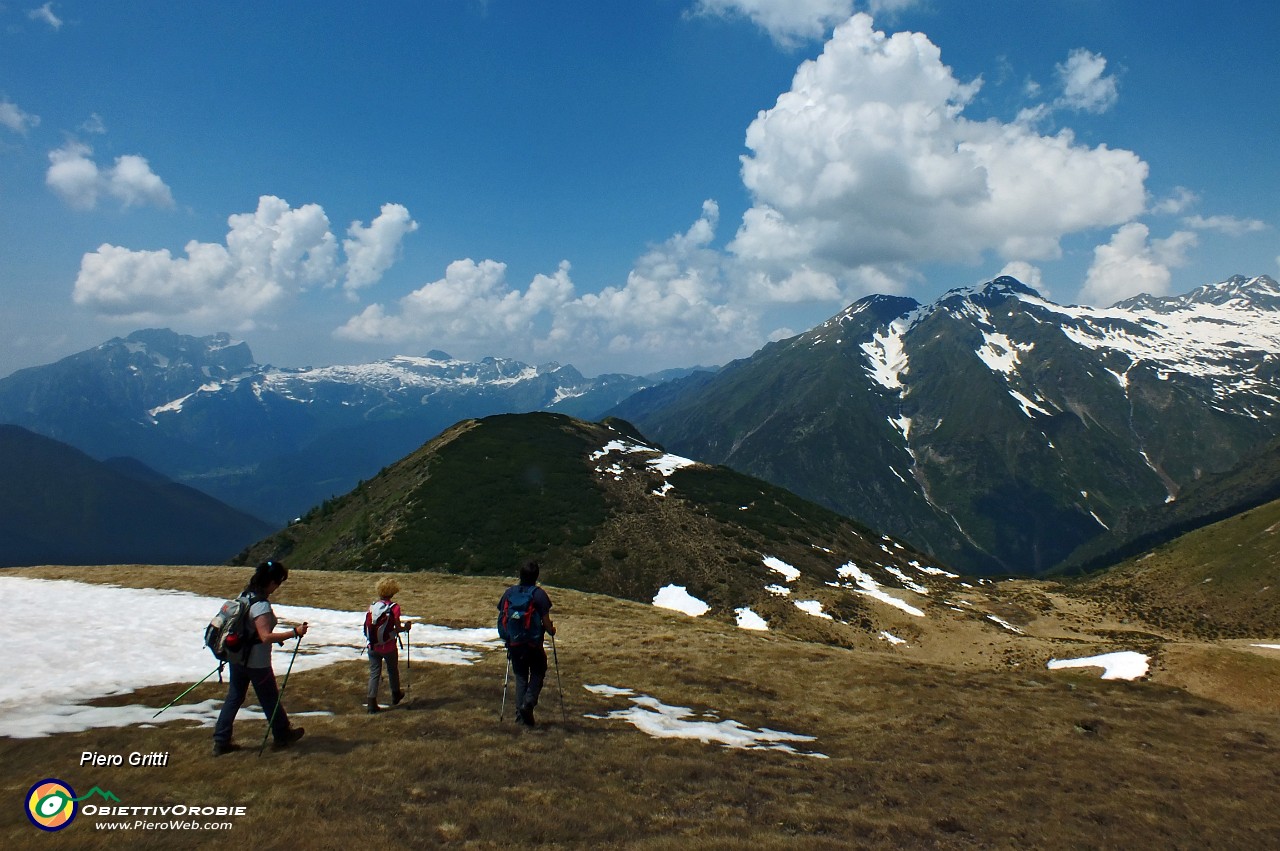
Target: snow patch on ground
1123	665
886	356
779	566
1004	623
748	619
665	463
659	720
678	598
812	607
668	464
868	586
934	571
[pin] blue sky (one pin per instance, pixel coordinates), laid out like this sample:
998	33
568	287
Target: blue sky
621	186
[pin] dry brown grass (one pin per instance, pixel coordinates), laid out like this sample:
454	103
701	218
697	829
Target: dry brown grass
932	751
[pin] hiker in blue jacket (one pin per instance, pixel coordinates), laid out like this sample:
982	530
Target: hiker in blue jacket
524	615
257	671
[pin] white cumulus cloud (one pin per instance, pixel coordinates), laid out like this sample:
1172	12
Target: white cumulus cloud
78	180
1178	201
1133	263
14	118
673	306
1027	273
372	250
472	303
675	299
789	22
786	21
869	164
1085	84
270	256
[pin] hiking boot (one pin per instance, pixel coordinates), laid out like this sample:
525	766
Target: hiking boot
397	697
219	748
374	708
290	737
524	717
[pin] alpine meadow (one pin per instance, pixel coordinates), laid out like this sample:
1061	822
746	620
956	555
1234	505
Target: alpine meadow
697	424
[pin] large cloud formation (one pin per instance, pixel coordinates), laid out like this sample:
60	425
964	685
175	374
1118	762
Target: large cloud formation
864	171
674	300
471	302
270	255
868	163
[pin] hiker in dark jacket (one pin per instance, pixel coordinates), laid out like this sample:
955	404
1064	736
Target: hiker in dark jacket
383	628
524	639
269	576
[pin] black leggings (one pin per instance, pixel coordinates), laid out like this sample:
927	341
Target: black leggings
529	662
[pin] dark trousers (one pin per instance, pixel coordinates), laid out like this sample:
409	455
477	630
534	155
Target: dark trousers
375	672
529	662
264	686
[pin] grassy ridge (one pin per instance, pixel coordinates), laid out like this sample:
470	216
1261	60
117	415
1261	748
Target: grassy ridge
490	492
1221	581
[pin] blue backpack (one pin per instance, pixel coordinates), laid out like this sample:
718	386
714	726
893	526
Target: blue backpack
519	621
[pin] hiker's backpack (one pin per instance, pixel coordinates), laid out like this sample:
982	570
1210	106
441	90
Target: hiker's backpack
519	621
231	633
380	623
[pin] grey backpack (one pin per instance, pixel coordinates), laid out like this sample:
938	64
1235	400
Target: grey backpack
231	633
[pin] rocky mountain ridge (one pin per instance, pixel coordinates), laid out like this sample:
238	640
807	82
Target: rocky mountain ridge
993	428
276	441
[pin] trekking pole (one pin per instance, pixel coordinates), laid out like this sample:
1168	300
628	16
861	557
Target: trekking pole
184	694
280	696
408	664
564	719
506	679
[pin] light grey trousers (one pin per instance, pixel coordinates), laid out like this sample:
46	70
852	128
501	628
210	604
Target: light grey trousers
375	672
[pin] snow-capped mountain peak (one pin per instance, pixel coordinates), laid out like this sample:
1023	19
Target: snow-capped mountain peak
994	427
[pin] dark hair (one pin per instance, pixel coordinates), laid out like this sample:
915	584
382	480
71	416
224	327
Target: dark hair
529	572
269	571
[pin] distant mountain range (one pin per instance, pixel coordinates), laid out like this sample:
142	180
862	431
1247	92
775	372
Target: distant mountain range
59	506
271	441
993	428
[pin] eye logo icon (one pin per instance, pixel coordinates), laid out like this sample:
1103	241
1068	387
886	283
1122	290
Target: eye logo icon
51	804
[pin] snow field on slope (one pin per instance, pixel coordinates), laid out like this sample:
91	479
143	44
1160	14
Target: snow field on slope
104	640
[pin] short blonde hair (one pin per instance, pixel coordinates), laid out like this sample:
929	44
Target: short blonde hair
387	587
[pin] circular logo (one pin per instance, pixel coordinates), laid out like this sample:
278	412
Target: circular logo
51	804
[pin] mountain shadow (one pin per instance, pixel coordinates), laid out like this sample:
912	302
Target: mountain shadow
59	506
